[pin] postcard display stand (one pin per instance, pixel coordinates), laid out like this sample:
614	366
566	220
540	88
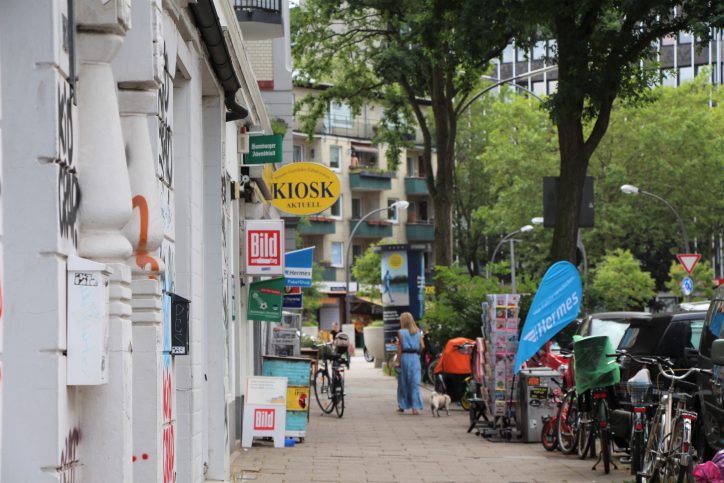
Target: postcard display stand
500	332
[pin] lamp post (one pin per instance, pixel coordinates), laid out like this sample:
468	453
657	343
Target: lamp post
509	238
633	190
403	204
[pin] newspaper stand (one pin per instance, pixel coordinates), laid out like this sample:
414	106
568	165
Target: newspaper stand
296	370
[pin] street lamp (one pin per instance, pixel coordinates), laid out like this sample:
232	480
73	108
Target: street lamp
538	220
402	204
633	190
509	238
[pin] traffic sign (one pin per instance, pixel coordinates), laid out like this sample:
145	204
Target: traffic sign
688	261
687	286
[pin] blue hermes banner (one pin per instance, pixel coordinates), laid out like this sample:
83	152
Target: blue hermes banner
298	267
556	303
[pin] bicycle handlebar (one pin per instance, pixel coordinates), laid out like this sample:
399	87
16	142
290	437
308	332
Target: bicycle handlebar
667	371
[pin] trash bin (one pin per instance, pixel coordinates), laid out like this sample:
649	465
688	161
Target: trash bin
535	401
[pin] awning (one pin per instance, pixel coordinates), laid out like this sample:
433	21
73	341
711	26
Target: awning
364	149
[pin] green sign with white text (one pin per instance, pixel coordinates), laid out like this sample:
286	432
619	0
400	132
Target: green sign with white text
264	149
265	300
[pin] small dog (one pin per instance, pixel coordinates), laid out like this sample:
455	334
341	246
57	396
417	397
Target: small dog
438	402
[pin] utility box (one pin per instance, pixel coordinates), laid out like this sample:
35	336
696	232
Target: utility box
536	401
87	322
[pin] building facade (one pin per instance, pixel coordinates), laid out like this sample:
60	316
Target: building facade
123	124
369	182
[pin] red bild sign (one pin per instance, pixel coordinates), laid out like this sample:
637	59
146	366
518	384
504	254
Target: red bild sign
264	247
264	419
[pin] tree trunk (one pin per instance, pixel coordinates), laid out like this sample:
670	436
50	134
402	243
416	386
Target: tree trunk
574	164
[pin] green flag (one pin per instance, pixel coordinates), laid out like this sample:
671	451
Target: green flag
265	300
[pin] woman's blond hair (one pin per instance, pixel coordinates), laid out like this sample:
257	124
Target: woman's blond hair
408	322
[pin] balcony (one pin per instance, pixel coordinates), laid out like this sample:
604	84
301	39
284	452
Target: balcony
416	186
420	231
260	19
317	226
363	180
372	229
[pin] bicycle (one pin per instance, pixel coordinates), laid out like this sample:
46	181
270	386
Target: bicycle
549	433
669	454
329	388
568	422
596	427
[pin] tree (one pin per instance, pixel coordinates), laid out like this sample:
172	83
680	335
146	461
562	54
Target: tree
603	52
312	297
398	52
620	284
366	271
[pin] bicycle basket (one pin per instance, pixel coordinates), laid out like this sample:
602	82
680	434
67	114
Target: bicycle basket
592	365
639	387
326	351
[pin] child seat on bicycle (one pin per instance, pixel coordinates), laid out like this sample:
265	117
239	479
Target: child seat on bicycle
341	345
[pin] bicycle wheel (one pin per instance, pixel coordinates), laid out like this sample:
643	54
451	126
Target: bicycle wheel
649	468
585	435
465	400
431	371
322	391
339	396
637	452
549	434
604	434
568	423
683	470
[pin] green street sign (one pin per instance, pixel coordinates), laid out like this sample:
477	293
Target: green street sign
265	300
264	149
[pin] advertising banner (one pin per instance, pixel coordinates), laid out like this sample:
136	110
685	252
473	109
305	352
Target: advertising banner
264	247
293	298
298	267
265	300
304	188
556	303
402	279
264	149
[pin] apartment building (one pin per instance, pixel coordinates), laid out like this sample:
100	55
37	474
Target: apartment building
369	183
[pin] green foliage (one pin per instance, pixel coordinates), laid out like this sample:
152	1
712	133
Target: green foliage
702	276
377	323
366	271
312	297
620	284
456	310
279	126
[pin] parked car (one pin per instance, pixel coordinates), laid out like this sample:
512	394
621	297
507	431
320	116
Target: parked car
673	335
612	324
710	436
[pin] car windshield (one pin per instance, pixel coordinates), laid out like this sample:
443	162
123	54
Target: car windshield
613	328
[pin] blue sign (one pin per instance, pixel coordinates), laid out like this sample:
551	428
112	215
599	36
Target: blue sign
687	286
292	301
298	267
556	303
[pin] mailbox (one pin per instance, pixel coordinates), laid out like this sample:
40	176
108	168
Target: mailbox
179	325
87	322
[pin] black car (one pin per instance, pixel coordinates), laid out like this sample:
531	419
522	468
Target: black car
673	335
612	324
711	356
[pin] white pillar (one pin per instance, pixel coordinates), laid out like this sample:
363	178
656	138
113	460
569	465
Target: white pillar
104	211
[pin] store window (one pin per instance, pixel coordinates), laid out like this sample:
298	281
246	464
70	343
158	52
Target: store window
335	153
337	254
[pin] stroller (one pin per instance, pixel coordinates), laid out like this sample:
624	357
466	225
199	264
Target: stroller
453	367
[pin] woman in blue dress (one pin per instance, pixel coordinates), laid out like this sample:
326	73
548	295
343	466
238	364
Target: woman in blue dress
409	348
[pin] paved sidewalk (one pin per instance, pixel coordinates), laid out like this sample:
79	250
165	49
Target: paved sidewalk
373	443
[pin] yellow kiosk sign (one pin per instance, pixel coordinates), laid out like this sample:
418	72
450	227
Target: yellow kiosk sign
304	188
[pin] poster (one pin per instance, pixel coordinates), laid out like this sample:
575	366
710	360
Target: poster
265	300
264	247
402	275
298	267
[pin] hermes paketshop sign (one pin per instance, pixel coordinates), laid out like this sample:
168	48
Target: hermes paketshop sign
264	247
304	188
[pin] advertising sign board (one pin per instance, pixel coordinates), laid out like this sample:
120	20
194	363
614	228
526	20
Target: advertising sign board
264	149
304	188
264	247
265	300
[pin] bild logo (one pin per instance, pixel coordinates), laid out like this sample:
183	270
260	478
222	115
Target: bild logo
264	419
264	246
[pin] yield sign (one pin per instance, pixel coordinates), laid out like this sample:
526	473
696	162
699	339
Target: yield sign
688	261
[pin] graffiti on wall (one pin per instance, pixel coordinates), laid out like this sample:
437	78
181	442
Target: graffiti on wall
69	457
68	187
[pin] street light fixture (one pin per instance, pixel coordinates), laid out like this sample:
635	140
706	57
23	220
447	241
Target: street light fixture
509	239
538	220
630	189
401	204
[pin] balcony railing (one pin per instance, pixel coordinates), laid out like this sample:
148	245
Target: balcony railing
420	231
372	229
370	181
416	186
318	226
260	19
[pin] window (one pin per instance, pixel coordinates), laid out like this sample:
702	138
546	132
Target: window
686	74
669	78
298	154
668	40
685	37
340	115
508	54
392	211
336	210
539	50
337	250
552	86
356	208
335	152
356	252
712	327
539	88
410	167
